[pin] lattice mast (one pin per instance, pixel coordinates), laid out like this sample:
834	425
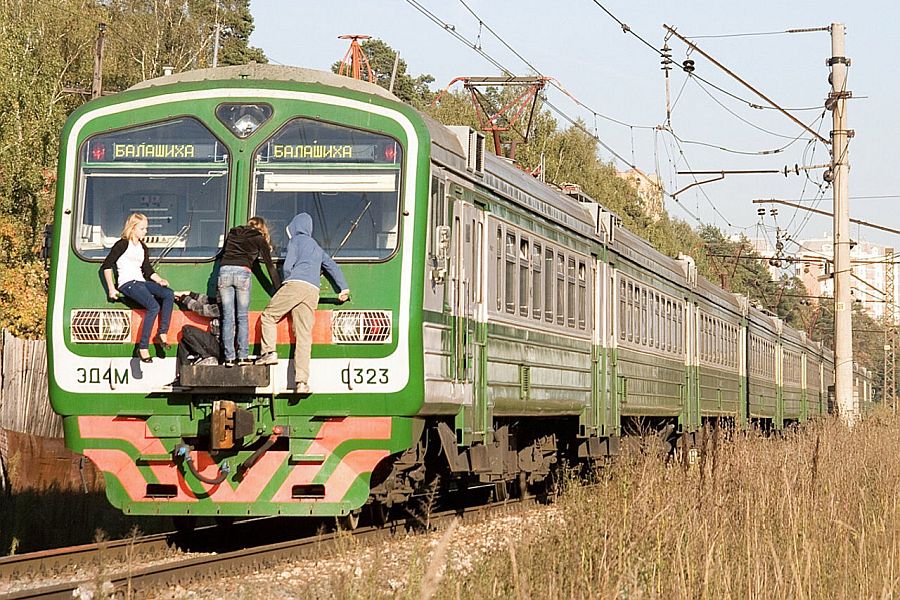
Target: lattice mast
514	116
890	332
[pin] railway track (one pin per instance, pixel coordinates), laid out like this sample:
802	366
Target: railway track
131	577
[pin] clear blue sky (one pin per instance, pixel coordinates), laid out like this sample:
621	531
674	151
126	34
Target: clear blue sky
618	76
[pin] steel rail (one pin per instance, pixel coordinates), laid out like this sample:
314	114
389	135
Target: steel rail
214	566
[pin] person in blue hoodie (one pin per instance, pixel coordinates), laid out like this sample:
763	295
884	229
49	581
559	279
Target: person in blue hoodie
304	265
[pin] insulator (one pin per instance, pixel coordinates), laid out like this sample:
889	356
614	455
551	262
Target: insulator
688	65
828	175
760	212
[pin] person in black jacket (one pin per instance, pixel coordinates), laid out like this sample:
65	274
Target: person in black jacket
244	245
136	279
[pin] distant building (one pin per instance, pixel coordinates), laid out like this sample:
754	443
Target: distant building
812	264
869	278
649	189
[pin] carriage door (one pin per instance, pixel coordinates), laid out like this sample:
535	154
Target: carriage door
467	248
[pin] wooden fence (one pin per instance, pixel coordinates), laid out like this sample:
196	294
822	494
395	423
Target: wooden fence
24	403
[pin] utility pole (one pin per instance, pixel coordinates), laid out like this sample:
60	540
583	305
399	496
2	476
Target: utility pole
97	83
840	170
394	71
215	58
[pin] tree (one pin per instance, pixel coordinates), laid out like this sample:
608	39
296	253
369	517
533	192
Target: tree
46	49
147	35
236	27
40	52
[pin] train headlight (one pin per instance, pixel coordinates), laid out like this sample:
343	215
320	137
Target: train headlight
361	326
100	326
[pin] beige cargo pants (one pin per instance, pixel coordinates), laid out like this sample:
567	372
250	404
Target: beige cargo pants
300	299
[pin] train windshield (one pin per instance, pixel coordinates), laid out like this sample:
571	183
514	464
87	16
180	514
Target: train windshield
347	180
175	172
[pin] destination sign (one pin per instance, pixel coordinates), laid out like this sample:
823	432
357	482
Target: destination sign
154	151
322	152
99	152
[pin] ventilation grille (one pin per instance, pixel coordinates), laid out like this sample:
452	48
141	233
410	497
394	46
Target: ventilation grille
476	152
101	326
361	326
472	146
524	382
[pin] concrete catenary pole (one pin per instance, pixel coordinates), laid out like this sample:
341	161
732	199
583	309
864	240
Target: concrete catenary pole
216	34
97	81
840	169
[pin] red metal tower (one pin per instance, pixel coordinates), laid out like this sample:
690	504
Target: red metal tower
503	120
357	59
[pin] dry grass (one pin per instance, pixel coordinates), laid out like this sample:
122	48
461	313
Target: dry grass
810	514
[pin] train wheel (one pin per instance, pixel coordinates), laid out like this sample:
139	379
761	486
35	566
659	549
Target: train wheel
522	481
501	491
350	521
549	490
379	513
185	523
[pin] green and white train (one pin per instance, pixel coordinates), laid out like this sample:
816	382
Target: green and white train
498	326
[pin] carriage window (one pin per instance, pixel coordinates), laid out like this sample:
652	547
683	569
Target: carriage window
510	273
667	317
560	290
570	296
644	320
659	321
630	316
623	309
438	212
548	281
346	179
524	268
582	296
679	329
175	173
497	279
537	287
637	314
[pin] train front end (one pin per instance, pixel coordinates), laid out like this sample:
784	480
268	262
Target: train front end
198	154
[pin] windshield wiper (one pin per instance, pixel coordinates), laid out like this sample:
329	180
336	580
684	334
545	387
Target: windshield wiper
353	227
178	237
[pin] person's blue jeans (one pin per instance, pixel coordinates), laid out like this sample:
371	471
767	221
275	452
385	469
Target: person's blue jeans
157	300
234	294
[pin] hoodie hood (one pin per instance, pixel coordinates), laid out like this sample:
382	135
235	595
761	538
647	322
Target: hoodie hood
301	224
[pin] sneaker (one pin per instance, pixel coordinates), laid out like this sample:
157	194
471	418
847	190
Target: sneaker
269	358
228	363
243	362
207	361
301	387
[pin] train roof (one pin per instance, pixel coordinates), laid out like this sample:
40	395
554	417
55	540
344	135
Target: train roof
260	71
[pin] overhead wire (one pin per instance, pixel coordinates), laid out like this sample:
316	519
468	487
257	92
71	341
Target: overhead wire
576	123
627	29
452	30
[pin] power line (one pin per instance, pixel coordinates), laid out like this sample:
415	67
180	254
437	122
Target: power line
553	81
626	28
734	35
